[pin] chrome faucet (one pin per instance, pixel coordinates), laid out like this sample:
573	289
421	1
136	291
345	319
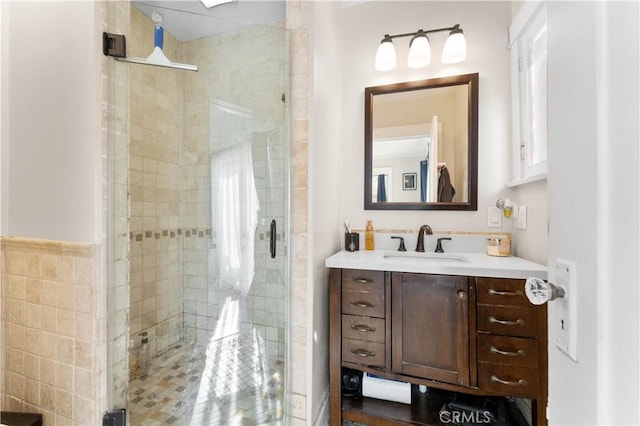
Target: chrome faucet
424	229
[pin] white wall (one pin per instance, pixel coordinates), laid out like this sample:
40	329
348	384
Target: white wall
4	116
51	136
593	207
531	244
485	25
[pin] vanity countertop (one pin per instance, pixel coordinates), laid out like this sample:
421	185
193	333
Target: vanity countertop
469	264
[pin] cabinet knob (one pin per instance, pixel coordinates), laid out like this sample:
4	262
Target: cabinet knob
363	328
462	294
496	379
505	293
363	352
361	304
519	321
494	350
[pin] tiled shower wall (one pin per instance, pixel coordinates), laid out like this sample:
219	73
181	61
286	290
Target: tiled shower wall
299	23
117	129
51	330
155	185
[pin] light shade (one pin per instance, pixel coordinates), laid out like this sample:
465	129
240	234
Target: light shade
455	48
419	51
386	55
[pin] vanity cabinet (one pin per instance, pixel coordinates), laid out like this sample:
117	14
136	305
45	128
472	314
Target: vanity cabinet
418	299
510	334
363	318
472	335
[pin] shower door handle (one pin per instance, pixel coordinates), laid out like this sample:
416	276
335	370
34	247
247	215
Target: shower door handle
272	239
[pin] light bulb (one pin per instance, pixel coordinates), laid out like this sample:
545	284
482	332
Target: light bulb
386	55
455	48
419	51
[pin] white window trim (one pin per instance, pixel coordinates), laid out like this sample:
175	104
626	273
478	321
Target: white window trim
528	15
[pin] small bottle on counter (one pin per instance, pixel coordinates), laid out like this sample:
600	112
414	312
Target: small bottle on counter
369	236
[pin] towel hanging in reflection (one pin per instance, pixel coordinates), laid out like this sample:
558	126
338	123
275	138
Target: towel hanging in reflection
382	188
446	191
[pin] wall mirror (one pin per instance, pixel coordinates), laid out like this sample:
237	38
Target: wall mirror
421	145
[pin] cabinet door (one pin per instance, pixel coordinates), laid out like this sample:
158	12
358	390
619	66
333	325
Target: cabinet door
430	326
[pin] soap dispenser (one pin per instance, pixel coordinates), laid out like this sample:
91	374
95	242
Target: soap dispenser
369	237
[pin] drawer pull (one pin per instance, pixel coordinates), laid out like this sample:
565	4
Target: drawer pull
363	352
521	382
494	320
494	350
505	293
362	328
361	304
362	280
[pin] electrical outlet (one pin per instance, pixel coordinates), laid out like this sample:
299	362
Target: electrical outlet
521	218
565	320
494	217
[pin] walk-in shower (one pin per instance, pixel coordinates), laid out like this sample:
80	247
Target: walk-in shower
199	221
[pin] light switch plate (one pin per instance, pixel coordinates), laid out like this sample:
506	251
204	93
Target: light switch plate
521	218
565	320
494	217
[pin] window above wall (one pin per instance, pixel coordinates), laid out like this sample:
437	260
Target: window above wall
528	44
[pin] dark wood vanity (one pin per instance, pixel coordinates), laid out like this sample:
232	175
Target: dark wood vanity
472	335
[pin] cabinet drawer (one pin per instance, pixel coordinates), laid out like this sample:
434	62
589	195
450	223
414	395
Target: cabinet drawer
363	328
509	321
504	380
516	351
361	352
364	303
501	291
361	280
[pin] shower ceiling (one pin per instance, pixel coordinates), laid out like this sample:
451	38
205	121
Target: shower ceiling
198	21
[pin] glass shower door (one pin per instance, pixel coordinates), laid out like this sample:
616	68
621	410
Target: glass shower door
204	328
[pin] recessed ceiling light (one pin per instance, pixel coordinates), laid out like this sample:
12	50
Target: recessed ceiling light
212	3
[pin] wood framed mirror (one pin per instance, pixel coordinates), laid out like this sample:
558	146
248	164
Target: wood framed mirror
421	145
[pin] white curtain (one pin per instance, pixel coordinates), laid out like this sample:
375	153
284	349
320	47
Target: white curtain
234	215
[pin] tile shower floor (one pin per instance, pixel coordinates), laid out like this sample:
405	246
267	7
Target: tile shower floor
228	382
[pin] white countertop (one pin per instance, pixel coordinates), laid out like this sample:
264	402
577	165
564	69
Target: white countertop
469	264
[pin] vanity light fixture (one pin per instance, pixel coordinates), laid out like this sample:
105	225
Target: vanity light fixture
455	49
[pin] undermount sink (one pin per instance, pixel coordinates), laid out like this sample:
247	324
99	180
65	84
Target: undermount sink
426	257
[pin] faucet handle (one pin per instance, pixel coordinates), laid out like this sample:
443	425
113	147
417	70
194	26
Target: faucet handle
401	247
439	244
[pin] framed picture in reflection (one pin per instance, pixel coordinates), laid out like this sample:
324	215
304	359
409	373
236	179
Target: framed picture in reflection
409	181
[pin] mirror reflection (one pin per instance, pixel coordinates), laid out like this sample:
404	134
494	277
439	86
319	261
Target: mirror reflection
421	144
